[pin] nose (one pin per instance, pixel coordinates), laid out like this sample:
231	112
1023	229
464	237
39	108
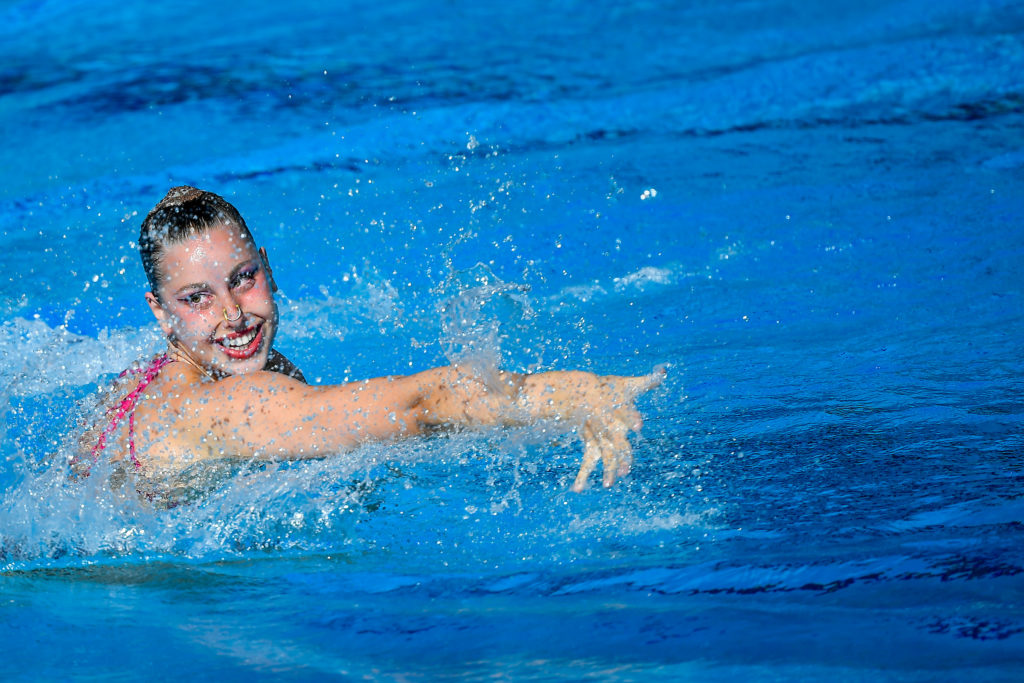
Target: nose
232	309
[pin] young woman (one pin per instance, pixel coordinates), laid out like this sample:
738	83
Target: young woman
221	391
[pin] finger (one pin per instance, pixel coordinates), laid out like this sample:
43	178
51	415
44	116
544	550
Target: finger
617	464
624	452
618	453
629	419
591	454
612	440
609	461
601	433
639	384
647	382
625	461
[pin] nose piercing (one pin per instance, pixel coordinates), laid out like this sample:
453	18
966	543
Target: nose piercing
237	317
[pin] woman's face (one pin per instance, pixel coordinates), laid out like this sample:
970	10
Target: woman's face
216	300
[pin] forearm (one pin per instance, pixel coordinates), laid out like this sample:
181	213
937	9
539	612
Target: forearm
456	396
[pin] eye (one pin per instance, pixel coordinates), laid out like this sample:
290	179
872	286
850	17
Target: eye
245	278
197	300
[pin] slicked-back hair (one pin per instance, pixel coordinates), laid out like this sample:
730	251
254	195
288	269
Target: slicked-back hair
185	212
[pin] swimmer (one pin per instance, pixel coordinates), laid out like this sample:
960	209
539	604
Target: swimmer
221	391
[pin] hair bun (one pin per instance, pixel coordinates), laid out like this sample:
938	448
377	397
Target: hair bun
180	195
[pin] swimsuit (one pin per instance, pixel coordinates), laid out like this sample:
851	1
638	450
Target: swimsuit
127	407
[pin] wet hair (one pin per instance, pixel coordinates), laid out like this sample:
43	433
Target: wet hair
185	212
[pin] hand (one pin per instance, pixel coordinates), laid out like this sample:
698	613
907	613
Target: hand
611	415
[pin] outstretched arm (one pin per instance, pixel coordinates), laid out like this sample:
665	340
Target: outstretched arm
271	414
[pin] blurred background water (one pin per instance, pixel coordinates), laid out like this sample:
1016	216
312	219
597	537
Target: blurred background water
810	212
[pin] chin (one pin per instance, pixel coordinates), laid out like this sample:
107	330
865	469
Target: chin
243	366
245	351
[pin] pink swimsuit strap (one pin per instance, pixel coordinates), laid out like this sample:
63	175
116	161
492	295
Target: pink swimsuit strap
127	407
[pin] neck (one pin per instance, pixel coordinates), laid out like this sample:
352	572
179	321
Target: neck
181	354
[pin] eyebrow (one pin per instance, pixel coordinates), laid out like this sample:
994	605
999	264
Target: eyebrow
231	276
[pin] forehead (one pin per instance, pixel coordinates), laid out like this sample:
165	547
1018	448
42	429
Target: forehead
219	247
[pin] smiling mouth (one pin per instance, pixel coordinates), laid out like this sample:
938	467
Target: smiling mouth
243	344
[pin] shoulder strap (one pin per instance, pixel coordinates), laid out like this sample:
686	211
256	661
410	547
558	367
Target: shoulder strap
127	407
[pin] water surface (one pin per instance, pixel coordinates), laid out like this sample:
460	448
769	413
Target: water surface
810	214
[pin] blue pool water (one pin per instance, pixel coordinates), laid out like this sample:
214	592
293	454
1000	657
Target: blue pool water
812	214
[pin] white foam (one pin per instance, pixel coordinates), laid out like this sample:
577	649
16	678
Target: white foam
648	275
637	523
46	518
577	293
39	358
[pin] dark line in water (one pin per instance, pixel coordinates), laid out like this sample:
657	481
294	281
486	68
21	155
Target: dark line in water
350	165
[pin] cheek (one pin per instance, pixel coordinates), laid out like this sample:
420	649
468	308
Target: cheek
260	296
189	323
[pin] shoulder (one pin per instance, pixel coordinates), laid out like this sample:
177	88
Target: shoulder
187	402
105	422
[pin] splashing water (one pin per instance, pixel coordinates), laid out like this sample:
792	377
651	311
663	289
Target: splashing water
49	519
811	211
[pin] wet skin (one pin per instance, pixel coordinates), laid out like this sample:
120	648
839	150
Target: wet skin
215	304
216	300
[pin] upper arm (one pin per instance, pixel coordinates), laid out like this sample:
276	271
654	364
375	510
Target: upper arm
270	414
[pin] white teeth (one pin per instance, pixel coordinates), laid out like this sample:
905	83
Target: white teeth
239	342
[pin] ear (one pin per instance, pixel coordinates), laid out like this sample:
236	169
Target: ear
159	313
266	266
